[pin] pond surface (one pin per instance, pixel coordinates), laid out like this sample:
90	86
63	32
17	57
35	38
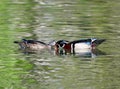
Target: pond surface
48	20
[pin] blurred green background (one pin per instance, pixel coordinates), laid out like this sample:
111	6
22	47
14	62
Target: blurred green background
48	20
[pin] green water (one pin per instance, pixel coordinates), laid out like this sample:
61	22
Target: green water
48	20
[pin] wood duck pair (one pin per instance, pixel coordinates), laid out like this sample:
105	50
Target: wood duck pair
61	46
77	46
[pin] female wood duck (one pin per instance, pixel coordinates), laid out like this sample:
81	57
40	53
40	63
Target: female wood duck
63	46
31	44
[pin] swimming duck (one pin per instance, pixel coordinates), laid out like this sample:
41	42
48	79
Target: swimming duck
63	46
31	44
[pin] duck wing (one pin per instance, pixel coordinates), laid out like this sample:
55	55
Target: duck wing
81	41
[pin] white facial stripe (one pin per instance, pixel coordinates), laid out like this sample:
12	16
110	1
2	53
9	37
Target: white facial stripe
63	45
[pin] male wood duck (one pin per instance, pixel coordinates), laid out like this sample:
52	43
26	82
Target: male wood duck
63	46
31	44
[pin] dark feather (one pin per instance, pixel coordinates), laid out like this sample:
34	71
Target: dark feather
98	41
16	42
80	41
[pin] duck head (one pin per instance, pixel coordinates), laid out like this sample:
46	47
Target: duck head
21	44
61	46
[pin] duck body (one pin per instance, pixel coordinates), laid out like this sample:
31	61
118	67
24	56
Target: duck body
77	46
31	44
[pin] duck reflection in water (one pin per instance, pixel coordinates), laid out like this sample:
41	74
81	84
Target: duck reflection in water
83	47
